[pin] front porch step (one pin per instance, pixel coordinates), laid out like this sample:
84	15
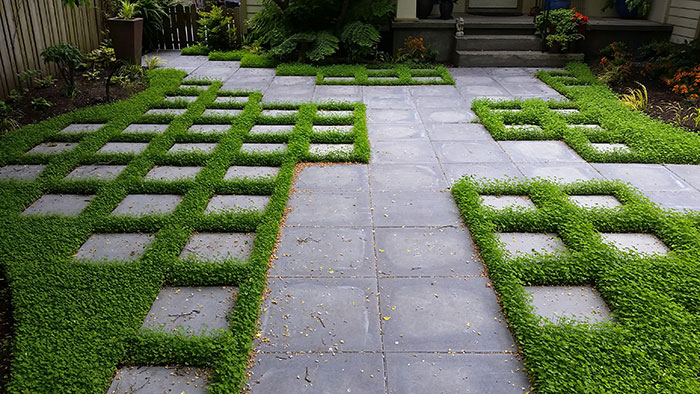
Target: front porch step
514	59
498	42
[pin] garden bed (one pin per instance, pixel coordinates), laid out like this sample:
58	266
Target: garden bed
90	93
5	331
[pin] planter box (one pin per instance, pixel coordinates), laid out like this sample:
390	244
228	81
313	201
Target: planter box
127	36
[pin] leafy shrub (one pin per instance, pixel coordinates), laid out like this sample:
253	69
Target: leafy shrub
686	83
309	30
616	62
153	12
7	117
40	103
127	10
562	27
45	82
68	58
636	99
216	30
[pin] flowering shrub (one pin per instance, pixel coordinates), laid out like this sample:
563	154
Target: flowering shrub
686	83
414	50
615	63
563	27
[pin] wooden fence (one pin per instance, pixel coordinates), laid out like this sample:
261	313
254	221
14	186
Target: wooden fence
180	27
27	27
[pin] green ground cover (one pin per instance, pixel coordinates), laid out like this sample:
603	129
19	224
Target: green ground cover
77	320
647	140
652	343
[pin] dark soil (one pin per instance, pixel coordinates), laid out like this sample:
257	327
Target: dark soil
664	104
89	93
6	324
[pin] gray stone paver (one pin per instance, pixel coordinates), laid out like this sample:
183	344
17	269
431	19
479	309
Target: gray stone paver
172	173
425	208
116	246
595	201
560	172
147	204
521	244
75	128
52	148
218	246
160	379
101	172
341	209
580	303
59	204
222	204
144	128
646	177
338	177
540	151
123	147
25	172
641	243
409	177
195	310
209	128
251	172
465	152
502	202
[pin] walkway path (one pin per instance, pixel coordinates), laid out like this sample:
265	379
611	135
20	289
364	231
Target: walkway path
377	286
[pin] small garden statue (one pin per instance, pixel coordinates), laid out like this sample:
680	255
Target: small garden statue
460	27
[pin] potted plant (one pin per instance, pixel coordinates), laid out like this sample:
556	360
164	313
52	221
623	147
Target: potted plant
446	7
562	29
629	8
127	33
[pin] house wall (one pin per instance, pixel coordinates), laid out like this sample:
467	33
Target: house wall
684	15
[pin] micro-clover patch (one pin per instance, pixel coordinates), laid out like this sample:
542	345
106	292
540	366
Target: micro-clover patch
136	235
592	121
392	74
600	287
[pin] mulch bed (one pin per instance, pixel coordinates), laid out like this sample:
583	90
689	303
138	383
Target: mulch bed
661	98
89	93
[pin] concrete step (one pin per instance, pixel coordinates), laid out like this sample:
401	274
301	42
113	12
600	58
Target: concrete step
498	42
499	26
514	59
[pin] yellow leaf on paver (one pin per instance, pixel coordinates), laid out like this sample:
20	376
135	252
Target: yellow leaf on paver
387	317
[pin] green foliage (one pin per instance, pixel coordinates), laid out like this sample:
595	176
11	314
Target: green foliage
228	55
309	30
216	30
73	3
40	103
152	62
387	74
653	299
46	82
258	61
153	12
649	140
641	7
100	58
195	50
636	99
127	10
26	77
7	118
68	58
562	28
415	51
77	321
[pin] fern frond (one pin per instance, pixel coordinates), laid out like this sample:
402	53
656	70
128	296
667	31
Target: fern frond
359	34
323	46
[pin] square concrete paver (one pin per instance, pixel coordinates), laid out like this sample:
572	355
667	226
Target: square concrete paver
466	152
277	113
341	129
328	209
222	112
166	111
320	314
48	148
172	173
680	201
458	132
426	252
442	314
540	152
59	204
318	373
580	303
395	132
445	115
195	310
192	148
159	379
560	172
231	99
641	243
523	127
263	148
409	177
221	204
415	209
123	147
218	246
607	148
76	128
338	177
456	374
334	113
689	173
519	244
503	202
595	201
209	128
101	172
647	177
144	128
330	252
271	129
251	172
115	246
175	99
455	171
147	204
329	149
420	151
381	115
25	172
